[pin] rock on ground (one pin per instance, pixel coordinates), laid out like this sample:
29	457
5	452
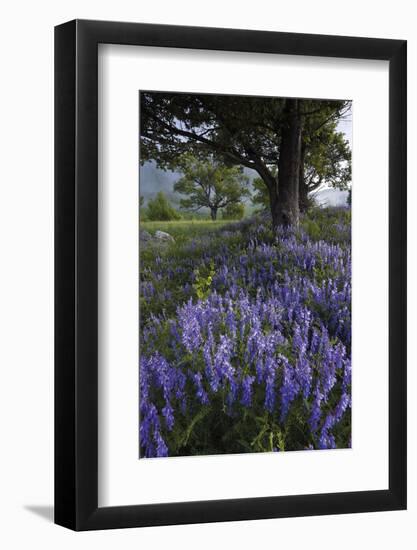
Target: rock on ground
162	236
144	235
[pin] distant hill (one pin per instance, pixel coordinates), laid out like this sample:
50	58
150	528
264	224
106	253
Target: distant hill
331	197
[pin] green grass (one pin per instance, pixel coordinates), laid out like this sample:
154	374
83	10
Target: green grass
184	229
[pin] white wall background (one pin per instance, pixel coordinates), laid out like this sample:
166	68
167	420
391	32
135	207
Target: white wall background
26	287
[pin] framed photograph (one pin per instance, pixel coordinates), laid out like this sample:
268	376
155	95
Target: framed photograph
230	254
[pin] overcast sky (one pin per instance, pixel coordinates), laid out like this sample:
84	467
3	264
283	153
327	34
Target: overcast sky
345	126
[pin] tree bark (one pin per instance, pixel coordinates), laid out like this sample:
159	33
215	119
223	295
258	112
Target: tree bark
289	167
274	205
271	183
303	187
213	213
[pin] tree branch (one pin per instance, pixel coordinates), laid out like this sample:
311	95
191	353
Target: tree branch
232	154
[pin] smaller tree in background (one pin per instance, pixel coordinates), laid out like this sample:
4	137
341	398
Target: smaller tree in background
234	211
160	209
143	215
209	184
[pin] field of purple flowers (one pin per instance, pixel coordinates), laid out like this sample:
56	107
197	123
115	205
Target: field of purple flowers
246	339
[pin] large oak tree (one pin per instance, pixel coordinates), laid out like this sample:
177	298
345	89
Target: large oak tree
264	134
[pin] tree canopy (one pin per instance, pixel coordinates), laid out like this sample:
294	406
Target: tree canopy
210	184
325	156
264	134
159	209
234	211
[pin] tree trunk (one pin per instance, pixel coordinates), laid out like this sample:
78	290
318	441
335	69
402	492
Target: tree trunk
302	187
289	167
274	205
213	213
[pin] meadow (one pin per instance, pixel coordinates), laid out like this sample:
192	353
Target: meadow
183	230
245	336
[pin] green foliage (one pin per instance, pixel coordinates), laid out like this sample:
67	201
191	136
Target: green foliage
143	214
184	230
209	184
261	194
202	283
327	157
159	208
234	211
203	232
328	224
312	228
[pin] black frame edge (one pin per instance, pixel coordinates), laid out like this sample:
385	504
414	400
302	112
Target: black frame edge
76	373
241	509
242	40
398	274
65	346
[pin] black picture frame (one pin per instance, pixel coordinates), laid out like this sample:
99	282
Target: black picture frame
76	272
